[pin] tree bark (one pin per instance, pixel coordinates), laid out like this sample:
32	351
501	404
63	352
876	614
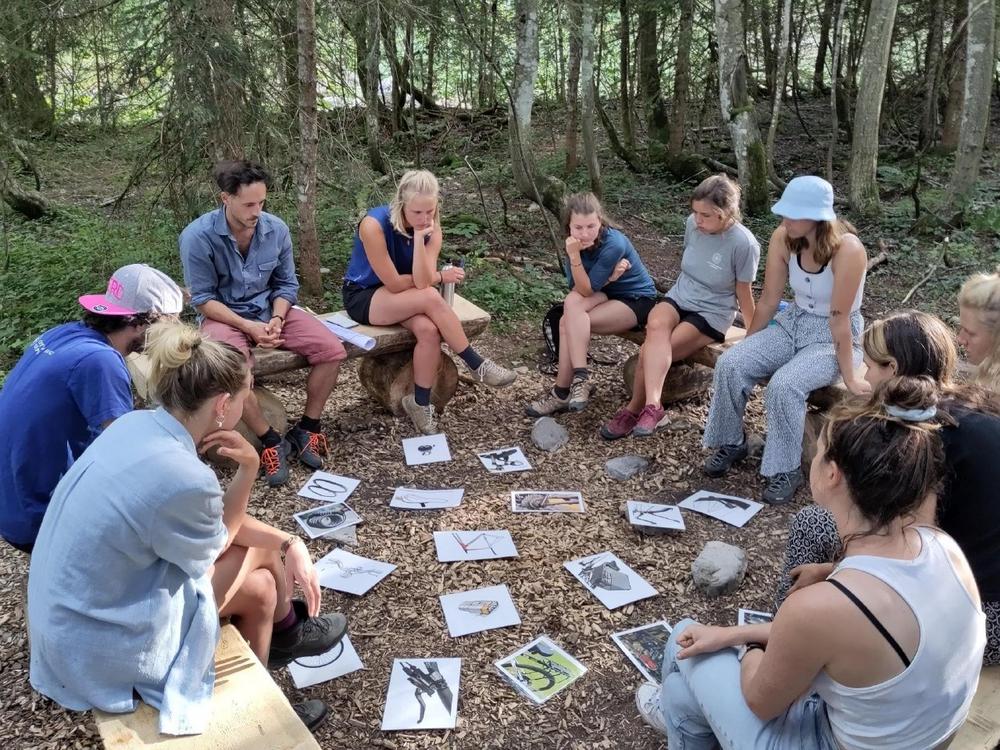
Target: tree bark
657	122
862	185
932	68
834	90
308	149
372	83
587	103
779	85
819	71
954	67
624	50
682	76
573	89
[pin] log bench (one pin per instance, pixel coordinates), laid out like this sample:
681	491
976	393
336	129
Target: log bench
249	712
981	730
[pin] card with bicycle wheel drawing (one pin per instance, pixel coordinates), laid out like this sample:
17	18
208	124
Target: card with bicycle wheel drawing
341	570
326	519
644	647
458	546
423	694
540	669
654	515
428	449
410	498
478	610
328	488
340	660
610	580
543	501
735	511
505	460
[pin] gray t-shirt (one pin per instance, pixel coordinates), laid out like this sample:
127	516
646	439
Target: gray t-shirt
710	267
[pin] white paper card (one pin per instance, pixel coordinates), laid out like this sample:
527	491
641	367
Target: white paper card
613	582
540	669
426	449
505	460
654	515
423	694
326	519
546	501
644	646
344	571
340	660
328	488
456	546
478	610
735	511
409	498
753	617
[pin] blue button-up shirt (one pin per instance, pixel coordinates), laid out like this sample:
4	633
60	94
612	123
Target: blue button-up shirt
215	269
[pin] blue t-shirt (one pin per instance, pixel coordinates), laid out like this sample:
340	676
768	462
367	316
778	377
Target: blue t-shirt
600	261
68	382
400	247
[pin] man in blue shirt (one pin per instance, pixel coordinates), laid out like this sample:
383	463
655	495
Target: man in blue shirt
70	384
238	266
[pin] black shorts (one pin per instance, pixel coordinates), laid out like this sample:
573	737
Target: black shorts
358	301
696	319
641	306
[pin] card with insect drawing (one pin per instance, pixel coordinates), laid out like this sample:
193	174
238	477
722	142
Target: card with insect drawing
644	647
423	694
426	449
478	610
458	546
544	501
341	570
540	669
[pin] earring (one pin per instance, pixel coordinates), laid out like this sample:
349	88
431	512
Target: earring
219	422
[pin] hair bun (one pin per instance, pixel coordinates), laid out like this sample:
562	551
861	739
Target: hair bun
910	399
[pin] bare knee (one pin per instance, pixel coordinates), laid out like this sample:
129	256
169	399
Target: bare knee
260	592
424	330
574	304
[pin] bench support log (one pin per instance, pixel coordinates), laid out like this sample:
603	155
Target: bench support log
389	377
683	381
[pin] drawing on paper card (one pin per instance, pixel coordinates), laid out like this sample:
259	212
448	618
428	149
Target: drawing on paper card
546	502
655	515
467	612
423	694
458	546
505	460
411	498
540	669
328	488
609	579
644	646
479	607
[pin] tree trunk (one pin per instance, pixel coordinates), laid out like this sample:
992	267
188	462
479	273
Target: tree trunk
980	32
682	75
587	105
835	91
657	122
862	186
308	150
625	76
779	85
825	19
573	89
737	105
372	84
954	67
932	66
435	22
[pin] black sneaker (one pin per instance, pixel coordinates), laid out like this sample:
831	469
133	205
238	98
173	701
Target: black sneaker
309	447
311	713
781	487
724	457
310	636
274	463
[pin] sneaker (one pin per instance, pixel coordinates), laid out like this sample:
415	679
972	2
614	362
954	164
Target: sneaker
490	373
311	713
724	457
310	447
421	416
310	636
651	419
647	700
620	425
579	395
274	463
781	487
548	404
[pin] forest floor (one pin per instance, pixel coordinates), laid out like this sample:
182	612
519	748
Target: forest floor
401	616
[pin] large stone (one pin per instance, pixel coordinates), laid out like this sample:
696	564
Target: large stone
626	467
719	569
549	435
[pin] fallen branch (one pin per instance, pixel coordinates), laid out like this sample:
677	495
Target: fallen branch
922	281
881	258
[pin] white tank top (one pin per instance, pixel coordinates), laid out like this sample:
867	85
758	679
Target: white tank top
814	291
922	705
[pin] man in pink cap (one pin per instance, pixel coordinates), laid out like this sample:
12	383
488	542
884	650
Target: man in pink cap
70	383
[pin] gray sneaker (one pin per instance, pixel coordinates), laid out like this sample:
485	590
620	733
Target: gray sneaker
490	373
548	404
579	395
724	457
781	487
647	700
421	416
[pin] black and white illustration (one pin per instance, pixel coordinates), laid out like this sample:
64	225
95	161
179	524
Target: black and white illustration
655	516
478	610
540	669
341	570
456	546
326	519
423	694
644	646
735	511
505	460
340	660
410	498
426	449
613	582
328	488
545	501
753	617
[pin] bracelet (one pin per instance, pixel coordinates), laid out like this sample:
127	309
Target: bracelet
746	648
279	317
285	545
575	265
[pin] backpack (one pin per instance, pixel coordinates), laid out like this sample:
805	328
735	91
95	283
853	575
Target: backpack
550	335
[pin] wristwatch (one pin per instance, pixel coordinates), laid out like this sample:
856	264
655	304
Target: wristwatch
747	648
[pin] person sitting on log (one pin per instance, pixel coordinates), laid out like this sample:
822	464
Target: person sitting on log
391	279
718	266
141	552
71	383
847	664
238	265
979	334
813	342
916	344
610	292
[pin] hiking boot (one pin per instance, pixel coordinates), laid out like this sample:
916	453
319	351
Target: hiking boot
490	373
620	425
647	700
274	463
309	447
651	419
781	487
421	416
310	636
311	713
579	395
724	457
548	404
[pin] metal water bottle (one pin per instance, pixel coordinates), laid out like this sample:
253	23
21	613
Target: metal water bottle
448	287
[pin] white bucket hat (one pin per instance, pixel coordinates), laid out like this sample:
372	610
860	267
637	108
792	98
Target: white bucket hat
137	288
807	197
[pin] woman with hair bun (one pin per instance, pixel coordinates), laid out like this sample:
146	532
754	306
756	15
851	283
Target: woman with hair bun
979	335
141	552
847	663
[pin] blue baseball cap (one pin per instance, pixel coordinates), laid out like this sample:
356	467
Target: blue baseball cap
806	197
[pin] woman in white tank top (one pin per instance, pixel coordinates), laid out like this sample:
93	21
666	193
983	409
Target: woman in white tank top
885	653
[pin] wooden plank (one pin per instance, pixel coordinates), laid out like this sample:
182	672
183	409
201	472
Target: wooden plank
981	730
388	339
249	712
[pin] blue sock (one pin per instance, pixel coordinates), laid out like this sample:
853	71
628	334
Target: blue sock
471	358
421	395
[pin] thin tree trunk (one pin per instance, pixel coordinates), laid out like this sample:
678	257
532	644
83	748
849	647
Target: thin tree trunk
929	119
573	88
954	67
682	77
834	80
826	17
779	85
308	254
624	75
657	122
587	104
372	84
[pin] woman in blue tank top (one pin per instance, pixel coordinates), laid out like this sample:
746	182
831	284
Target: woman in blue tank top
391	279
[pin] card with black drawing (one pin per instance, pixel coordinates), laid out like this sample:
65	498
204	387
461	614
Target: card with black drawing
427	449
328	488
654	515
340	660
423	694
735	511
478	610
410	498
609	579
344	571
458	546
505	460
326	519
545	501
540	669
753	617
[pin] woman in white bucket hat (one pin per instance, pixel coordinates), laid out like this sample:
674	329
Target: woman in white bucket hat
814	341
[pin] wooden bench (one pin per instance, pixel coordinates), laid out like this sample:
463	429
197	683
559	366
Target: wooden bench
249	712
981	730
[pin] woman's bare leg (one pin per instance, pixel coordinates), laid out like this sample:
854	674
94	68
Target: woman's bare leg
427	352
388	308
577	325
684	341
249	585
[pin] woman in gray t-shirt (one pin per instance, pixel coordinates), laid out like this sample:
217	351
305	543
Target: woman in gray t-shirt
719	264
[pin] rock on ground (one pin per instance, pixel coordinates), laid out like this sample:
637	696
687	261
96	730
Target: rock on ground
549	435
626	467
719	569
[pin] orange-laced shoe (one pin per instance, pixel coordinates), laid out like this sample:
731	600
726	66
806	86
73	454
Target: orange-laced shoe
310	447
274	464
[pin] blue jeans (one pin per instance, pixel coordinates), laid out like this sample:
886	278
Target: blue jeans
704	708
